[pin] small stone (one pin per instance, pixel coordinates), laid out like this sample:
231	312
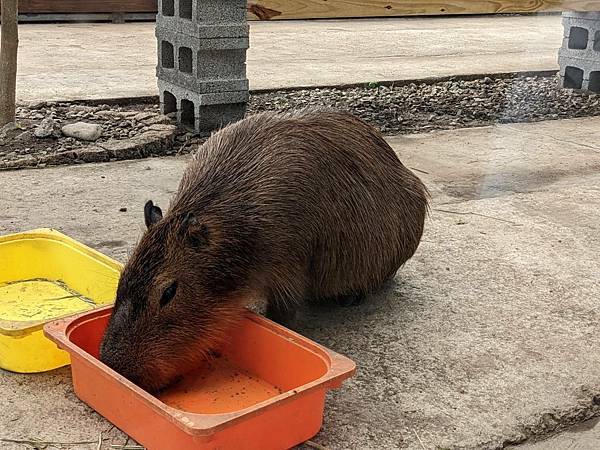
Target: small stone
119	146
488	80
158	119
25	135
109	114
79	107
93	153
44	129
163	127
143	116
36	104
10	126
82	130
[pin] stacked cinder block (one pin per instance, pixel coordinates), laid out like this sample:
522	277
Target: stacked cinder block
202	61
579	57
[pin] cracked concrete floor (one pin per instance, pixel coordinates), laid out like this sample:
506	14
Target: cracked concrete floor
488	336
583	436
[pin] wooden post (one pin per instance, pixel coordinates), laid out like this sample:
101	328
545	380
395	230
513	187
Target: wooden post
8	60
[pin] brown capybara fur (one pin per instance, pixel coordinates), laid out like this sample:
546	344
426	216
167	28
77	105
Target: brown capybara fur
310	205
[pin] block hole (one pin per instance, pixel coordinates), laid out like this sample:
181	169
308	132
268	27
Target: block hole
168	57
597	41
168	7
185	59
169	103
578	38
187	113
185	9
594	84
573	77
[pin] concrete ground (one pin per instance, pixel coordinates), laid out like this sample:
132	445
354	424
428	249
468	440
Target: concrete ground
488	336
96	61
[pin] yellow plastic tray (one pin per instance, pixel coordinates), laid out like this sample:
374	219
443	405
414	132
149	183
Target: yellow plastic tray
44	276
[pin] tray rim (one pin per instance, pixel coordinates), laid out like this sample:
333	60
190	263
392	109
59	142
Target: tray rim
15	328
339	368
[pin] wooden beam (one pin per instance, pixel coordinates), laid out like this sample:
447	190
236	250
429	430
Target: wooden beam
324	9
86	6
329	9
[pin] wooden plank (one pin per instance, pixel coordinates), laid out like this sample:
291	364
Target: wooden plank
88	17
324	9
330	9
86	6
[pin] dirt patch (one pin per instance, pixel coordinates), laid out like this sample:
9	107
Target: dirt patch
125	132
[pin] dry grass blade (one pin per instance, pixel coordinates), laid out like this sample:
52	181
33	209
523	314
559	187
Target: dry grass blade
469	213
419	170
420	441
127	447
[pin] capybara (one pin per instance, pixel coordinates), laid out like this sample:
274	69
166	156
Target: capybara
276	208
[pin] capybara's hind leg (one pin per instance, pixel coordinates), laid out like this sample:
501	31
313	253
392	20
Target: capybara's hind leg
389	278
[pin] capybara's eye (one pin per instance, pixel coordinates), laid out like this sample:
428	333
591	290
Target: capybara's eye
168	294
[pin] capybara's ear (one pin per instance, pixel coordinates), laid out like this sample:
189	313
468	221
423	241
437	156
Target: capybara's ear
152	214
196	233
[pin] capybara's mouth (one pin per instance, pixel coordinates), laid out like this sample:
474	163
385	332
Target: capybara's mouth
176	379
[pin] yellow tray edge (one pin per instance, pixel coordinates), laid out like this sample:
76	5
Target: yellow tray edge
16	329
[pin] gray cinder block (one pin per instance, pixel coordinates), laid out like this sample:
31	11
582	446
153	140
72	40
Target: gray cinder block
204	18
209	11
213	43
579	57
205	69
202	112
202	99
201	66
576	73
203	31
200	86
220	11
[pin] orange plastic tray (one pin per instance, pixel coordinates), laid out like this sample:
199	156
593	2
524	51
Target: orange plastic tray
266	391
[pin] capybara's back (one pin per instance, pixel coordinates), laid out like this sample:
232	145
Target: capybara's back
310	205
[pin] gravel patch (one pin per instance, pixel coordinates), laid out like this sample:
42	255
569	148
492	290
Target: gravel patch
416	108
137	130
